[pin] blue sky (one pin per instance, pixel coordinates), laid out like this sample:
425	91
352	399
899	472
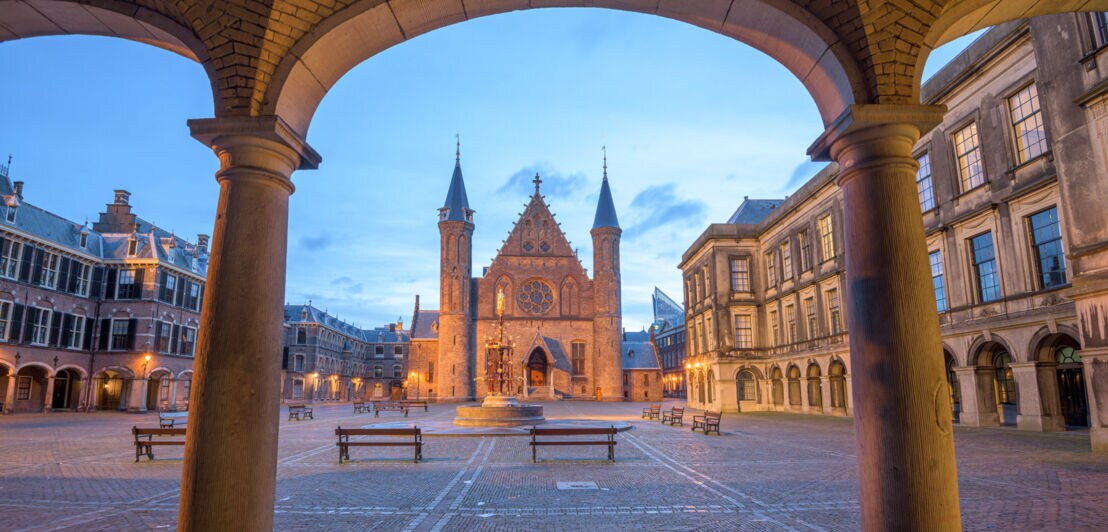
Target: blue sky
693	122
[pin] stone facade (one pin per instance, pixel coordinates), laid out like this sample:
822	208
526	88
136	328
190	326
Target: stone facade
566	326
95	318
327	359
765	299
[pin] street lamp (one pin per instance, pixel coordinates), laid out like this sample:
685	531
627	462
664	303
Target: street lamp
145	363
415	377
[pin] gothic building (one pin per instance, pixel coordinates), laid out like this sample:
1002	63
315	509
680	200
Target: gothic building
566	326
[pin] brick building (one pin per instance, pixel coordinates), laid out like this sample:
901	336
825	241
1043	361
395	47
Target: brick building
566	325
327	359
668	334
102	317
764	292
642	369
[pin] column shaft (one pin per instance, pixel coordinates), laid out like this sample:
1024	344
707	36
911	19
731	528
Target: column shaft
901	406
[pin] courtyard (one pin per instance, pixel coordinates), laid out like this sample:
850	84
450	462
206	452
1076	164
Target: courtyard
765	472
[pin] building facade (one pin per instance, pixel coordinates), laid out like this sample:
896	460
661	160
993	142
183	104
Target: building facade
95	318
668	335
764	292
565	325
327	359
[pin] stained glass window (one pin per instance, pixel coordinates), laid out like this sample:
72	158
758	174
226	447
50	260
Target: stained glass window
535	297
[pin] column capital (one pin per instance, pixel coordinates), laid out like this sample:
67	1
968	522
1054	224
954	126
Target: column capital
270	127
860	117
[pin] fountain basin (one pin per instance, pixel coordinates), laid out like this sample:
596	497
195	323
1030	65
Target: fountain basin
498	411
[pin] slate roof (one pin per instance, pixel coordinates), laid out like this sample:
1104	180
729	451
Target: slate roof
753	211
668	314
640	355
605	207
153	242
423	325
457	203
295	314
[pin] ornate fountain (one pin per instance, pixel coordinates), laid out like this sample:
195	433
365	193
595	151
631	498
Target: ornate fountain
500	407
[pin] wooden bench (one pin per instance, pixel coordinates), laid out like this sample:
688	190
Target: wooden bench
675	416
168	420
610	441
414	404
399	407
345	444
145	442
300	411
652	413
708	422
360	408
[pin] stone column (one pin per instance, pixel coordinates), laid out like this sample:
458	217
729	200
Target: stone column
825	389
49	399
1035	411
136	396
848	400
9	397
976	411
172	395
230	465
1095	370
905	445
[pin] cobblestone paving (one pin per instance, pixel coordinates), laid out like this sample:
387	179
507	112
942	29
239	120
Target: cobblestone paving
765	472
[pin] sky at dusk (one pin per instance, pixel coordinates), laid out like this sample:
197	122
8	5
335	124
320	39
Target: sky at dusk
693	121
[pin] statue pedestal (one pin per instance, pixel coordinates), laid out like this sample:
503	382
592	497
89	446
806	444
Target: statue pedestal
498	411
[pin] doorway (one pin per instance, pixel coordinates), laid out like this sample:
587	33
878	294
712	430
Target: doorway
1071	387
536	368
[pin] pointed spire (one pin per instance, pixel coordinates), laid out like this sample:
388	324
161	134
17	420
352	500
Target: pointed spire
457	203
605	207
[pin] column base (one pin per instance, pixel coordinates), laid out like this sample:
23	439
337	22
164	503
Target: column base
1040	423
1098	438
977	419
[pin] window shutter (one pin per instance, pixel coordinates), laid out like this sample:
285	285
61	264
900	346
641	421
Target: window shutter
109	290
28	326
25	266
71	284
67	324
132	329
55	328
200	299
105	333
285	358
176	334
157	335
88	333
179	297
16	331
161	285
36	276
140	273
94	291
63	274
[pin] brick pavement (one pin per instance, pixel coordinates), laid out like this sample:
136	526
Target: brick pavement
766	472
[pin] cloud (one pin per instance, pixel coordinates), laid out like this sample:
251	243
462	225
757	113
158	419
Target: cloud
315	243
354	289
801	174
659	205
342	280
554	184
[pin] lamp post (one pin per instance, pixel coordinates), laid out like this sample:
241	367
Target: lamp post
145	364
415	377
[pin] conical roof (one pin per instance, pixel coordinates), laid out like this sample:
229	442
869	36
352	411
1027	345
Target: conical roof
457	204
605	208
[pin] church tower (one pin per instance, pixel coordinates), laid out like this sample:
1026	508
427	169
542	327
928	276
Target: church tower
453	376
608	321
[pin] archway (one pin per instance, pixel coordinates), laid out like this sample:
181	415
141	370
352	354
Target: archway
1004	385
746	387
711	381
67	390
538	371
6	379
778	386
30	389
837	374
1070	400
111	385
815	387
952	384
700	388
794	387
157	390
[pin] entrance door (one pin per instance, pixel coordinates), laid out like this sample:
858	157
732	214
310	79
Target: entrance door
63	386
536	369
1071	388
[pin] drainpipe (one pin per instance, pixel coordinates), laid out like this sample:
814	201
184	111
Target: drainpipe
91	386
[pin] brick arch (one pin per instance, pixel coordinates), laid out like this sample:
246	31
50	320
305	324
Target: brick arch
787	32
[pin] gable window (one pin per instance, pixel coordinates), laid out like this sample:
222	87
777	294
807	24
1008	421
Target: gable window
834	311
578	357
132	247
740	275
786	260
923	183
805	244
49	270
121	331
126	287
10	214
1027	123
937	282
76	332
968	149
10	254
1046	237
984	266
744	331
771	269
826	237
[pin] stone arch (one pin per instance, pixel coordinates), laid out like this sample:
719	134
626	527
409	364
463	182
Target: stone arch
790	34
836	375
792	376
777	385
710	380
35	364
746	385
982	351
81	372
815	384
1044	343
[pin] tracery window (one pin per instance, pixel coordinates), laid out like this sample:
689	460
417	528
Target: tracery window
535	297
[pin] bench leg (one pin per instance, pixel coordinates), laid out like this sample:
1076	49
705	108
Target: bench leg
534	454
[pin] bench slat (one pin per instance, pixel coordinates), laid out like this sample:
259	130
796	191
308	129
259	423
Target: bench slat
378	443
158	432
571	432
376	432
605	442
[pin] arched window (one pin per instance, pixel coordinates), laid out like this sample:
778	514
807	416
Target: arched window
711	386
952	381
748	386
815	387
794	386
1005	384
778	387
700	391
838	384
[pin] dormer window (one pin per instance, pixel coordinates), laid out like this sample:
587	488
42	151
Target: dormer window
132	247
304	315
84	240
10	215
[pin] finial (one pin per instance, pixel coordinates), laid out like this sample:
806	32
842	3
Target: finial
537	181
457	147
605	150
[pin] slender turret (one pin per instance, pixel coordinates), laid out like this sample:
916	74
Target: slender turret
453	378
608	321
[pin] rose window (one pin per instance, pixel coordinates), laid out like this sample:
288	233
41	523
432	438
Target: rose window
535	297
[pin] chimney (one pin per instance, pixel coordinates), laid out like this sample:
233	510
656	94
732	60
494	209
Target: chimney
392	327
17	188
122	197
202	243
